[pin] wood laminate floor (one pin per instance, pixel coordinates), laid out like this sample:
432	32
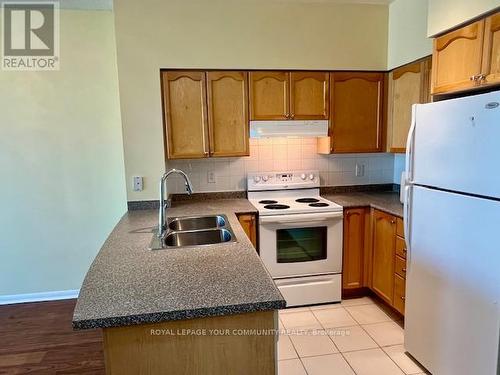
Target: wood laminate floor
37	338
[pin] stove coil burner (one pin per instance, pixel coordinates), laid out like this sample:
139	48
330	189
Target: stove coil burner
307	200
276	206
268	201
320	204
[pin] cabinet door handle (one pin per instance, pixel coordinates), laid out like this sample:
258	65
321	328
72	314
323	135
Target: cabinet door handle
404	270
292	116
393	222
403	298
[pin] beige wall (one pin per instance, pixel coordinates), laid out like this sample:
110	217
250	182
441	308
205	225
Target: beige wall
407	32
228	34
446	14
61	159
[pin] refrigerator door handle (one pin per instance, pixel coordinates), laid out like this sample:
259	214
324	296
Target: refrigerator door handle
410	144
407	223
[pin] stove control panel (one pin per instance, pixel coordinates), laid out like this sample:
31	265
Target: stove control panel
282	180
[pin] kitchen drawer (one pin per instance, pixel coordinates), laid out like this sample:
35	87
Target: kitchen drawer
399	294
401	247
400	228
400	267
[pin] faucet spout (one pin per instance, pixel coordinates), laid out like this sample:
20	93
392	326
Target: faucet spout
162	211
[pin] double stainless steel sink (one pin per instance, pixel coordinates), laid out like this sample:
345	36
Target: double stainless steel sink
194	231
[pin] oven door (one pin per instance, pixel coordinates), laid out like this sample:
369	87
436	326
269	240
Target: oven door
301	244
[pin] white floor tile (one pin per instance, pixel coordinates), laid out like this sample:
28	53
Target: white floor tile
327	365
327	306
372	362
386	333
313	343
285	348
397	353
366	314
294	309
354	338
334	318
291	367
304	320
357	301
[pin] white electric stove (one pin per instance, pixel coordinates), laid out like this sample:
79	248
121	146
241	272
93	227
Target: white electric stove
300	235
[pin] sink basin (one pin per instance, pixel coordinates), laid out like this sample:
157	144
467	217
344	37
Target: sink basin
198	237
196	223
194	231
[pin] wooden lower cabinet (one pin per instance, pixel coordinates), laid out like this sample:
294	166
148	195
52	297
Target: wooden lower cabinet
249	225
374	255
399	294
384	250
162	348
356	221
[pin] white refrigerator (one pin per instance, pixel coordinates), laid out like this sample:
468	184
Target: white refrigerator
452	229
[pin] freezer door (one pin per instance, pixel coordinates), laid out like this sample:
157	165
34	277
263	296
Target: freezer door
452	316
456	145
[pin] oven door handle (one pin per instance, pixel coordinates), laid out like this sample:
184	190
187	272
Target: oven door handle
301	218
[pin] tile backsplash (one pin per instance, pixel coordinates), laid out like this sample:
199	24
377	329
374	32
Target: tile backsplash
278	154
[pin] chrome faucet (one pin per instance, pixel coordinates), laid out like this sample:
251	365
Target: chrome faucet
189	189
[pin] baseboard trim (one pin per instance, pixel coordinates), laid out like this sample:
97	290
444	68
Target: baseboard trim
39	297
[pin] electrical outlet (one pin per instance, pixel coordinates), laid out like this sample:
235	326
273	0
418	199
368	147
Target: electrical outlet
360	170
138	183
211	177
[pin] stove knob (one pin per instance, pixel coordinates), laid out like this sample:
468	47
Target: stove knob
265	178
311	177
256	178
303	176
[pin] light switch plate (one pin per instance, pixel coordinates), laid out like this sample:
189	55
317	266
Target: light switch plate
211	177
138	183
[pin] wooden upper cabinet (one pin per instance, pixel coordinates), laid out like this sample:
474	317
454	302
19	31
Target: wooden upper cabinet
383	257
491	50
357	104
457	59
269	95
228	113
408	85
353	259
184	96
309	95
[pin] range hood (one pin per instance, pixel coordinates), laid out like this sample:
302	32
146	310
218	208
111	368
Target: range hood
289	128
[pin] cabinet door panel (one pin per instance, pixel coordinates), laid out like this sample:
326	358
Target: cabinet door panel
269	95
456	58
249	225
354	248
491	54
406	90
184	95
309	95
357	106
399	294
384	238
228	113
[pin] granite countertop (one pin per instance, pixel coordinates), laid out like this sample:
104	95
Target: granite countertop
384	201
129	284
